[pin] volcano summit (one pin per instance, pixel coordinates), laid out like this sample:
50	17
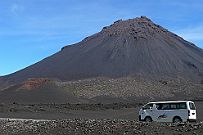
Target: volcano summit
134	47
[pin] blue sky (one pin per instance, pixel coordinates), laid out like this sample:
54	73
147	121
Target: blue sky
31	30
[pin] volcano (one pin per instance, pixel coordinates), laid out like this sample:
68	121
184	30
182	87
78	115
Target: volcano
134	47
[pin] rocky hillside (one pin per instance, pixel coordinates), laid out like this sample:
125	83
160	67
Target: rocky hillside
100	90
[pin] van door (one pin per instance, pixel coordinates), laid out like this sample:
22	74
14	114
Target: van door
154	113
162	113
147	110
192	111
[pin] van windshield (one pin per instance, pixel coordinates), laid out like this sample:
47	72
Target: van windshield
192	106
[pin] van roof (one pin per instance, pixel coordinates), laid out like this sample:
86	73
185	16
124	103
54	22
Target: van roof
168	101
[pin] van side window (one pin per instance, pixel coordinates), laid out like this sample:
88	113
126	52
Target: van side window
178	105
147	106
159	106
174	106
182	106
171	106
165	106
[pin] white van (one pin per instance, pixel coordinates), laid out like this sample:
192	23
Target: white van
168	111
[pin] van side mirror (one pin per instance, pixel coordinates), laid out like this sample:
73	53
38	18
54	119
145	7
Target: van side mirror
150	108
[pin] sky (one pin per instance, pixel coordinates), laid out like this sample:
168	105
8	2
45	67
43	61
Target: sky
31	30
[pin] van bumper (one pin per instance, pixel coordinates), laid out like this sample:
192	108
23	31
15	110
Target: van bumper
191	120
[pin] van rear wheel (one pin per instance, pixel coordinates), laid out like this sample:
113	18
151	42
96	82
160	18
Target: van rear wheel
148	119
177	120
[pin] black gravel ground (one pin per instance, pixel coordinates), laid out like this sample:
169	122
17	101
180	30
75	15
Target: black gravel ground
96	127
98	119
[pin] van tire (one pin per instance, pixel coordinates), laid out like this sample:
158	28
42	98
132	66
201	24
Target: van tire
148	119
177	119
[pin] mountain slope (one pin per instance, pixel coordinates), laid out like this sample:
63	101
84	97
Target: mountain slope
134	47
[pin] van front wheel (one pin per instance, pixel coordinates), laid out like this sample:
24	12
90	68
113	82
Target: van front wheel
177	120
148	119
